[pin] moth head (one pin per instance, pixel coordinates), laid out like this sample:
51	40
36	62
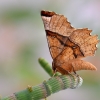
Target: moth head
47	13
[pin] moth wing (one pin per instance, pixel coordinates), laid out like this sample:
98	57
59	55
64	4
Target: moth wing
55	43
56	23
85	41
75	65
82	65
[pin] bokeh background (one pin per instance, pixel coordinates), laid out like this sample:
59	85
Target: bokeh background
23	41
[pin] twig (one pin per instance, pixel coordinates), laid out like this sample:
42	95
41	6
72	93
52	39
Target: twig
45	89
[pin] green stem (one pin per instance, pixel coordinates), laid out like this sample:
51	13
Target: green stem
47	67
45	89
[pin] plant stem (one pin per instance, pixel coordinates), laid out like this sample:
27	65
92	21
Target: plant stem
45	89
47	67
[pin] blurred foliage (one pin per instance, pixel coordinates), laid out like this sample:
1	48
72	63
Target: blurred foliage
16	15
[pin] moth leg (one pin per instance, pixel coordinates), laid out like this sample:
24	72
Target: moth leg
75	72
63	71
54	72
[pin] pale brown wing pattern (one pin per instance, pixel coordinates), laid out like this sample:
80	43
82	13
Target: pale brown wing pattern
65	55
85	41
62	61
56	23
68	45
74	65
65	58
82	65
70	51
58	45
76	49
55	43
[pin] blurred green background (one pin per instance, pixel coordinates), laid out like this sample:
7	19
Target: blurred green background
23	41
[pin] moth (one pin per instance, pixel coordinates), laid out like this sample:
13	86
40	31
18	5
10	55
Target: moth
68	45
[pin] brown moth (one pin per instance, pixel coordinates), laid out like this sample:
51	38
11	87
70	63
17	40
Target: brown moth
68	45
